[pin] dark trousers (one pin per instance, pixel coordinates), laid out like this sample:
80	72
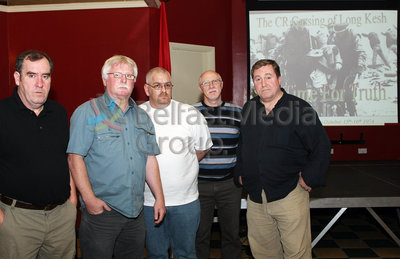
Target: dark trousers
110	233
226	197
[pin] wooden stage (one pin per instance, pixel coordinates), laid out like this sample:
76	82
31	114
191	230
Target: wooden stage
361	184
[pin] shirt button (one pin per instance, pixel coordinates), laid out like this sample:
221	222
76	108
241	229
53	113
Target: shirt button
128	143
130	158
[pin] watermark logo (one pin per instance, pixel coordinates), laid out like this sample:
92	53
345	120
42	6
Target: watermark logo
101	117
293	113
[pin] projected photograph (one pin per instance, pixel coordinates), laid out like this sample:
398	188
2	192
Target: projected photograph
343	63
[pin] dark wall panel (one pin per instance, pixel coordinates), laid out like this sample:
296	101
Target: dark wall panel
4	61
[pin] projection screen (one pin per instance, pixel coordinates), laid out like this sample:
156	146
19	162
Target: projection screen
343	62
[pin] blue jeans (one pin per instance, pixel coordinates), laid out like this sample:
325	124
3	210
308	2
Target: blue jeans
178	231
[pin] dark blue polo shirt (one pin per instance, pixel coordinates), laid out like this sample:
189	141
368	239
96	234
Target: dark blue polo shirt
33	160
275	147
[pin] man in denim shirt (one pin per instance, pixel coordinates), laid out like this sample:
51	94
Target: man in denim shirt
112	152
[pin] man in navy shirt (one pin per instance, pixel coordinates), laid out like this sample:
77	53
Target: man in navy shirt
284	151
37	195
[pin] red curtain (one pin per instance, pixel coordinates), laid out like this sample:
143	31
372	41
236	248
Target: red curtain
164	59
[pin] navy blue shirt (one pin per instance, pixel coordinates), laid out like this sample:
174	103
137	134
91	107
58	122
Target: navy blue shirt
33	160
274	148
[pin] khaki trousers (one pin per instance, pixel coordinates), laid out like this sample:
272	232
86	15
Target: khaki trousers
38	234
280	229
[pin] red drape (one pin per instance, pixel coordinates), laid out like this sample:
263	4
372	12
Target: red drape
164	59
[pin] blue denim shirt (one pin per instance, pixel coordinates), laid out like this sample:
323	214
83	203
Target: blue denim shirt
115	146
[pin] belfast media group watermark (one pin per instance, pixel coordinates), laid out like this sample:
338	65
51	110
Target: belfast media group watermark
292	113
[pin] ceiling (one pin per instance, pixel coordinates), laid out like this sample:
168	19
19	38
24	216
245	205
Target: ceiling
150	3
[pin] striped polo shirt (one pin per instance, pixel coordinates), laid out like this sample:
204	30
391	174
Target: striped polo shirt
224	123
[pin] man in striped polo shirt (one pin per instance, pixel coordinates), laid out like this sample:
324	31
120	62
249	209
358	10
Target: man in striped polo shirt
216	186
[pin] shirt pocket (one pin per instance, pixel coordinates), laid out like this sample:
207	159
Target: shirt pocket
108	141
105	137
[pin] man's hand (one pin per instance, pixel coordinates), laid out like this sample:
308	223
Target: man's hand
303	184
1	217
96	206
159	211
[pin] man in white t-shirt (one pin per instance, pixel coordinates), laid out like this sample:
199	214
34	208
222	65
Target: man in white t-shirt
183	138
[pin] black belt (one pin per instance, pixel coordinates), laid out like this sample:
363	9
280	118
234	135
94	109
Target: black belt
24	205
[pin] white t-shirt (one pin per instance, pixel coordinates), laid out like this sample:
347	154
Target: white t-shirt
180	130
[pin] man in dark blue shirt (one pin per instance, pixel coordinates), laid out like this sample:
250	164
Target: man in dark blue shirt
37	195
284	151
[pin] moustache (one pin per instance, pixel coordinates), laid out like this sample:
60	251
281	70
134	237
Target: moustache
123	86
211	91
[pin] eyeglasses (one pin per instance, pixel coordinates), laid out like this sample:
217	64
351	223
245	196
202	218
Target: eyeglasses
120	75
214	82
159	86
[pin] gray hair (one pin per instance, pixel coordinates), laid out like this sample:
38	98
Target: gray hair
118	59
156	70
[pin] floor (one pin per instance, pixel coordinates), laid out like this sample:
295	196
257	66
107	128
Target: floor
356	235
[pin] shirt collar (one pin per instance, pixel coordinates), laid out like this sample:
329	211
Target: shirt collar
283	97
205	105
21	105
111	103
